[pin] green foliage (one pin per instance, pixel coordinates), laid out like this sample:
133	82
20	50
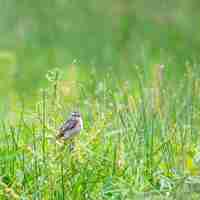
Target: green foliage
121	33
136	143
141	121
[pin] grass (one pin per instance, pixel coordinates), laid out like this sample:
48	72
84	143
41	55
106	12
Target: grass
140	139
141	124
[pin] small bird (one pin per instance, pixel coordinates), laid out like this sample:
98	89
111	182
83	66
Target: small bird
71	127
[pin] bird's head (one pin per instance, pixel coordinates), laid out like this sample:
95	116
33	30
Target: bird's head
75	115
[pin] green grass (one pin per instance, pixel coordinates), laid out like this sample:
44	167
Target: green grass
140	139
141	129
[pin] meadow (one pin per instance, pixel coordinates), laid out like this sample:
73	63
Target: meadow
140	140
131	69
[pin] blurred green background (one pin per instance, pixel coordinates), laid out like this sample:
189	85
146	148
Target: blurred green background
36	36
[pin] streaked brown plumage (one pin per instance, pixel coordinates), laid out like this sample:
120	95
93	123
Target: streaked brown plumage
71	127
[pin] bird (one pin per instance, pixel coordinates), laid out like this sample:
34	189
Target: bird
71	127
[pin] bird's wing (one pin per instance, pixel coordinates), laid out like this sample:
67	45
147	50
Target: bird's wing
68	125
